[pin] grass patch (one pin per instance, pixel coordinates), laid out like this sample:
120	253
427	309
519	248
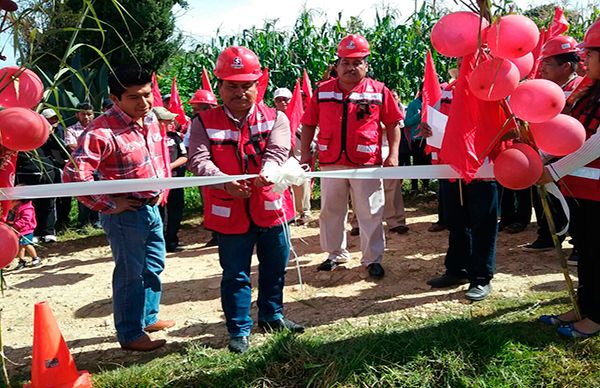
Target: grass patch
496	343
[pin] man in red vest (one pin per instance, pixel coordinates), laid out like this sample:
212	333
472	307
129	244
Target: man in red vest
559	64
242	137
349	111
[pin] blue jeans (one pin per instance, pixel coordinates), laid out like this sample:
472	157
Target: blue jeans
235	255
473	229
138	248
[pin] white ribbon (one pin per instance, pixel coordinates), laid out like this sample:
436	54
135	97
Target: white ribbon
290	173
553	189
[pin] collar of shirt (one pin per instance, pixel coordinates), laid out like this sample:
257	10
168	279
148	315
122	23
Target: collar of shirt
128	122
239	123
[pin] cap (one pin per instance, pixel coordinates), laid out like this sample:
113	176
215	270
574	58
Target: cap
49	113
282	92
163	113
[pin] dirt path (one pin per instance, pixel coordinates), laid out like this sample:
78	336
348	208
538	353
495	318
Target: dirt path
76	280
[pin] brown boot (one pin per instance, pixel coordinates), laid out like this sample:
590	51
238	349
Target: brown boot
159	325
144	344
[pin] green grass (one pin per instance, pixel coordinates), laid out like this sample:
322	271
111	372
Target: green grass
496	343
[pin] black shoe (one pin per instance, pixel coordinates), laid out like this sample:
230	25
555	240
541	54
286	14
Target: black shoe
354	232
514	228
400	229
375	270
213	242
477	292
574	258
279	325
174	248
20	265
539	246
447	280
238	344
327	265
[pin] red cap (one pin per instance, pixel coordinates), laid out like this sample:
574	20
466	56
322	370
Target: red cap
237	63
353	46
592	36
558	45
203	97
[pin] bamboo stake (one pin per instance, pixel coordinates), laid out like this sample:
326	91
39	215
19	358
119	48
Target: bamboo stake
2	358
558	249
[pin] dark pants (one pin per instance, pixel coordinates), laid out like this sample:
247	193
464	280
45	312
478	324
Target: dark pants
558	215
585	231
63	206
235	256
420	158
172	216
442	217
473	229
515	206
86	216
45	208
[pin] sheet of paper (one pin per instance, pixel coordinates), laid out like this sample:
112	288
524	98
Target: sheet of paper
437	121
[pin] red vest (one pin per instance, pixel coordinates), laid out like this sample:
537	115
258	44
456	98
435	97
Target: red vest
239	151
584	182
350	127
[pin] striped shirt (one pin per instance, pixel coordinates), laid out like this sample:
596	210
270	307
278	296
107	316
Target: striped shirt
117	147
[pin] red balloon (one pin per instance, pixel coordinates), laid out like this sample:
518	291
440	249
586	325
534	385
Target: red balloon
524	64
29	86
518	167
512	36
22	129
10	245
537	100
494	79
559	136
457	34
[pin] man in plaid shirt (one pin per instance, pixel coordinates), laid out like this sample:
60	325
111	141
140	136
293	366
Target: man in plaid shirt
126	143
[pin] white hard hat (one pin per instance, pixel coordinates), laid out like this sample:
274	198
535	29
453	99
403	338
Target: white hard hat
282	92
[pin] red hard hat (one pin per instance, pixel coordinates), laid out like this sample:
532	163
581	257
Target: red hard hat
237	63
203	97
592	36
353	46
561	44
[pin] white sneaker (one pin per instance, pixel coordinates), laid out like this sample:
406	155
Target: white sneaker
36	261
49	238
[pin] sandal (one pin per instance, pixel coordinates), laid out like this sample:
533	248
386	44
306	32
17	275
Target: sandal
570	331
553	320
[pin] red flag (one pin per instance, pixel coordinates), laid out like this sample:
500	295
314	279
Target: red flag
175	104
295	111
306	86
432	91
156	92
7	179
559	23
474	126
537	52
263	82
205	80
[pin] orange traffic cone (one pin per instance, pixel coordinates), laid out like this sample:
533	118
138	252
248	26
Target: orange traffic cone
52	364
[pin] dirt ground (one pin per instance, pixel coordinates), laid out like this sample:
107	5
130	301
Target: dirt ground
76	280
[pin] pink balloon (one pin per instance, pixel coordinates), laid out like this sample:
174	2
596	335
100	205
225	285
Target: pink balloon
10	245
512	36
22	129
559	136
494	79
29	86
524	64
456	34
537	100
518	167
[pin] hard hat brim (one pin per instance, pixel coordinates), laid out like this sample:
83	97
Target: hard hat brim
240	77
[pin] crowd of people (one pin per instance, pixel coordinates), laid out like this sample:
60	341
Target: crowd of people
351	121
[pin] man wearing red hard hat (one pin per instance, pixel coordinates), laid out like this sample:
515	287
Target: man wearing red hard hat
242	137
201	100
559	64
350	111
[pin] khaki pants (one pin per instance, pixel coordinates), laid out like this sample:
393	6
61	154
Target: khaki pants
393	212
368	199
302	198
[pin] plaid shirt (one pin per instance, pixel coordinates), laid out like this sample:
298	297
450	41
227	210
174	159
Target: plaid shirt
73	132
117	148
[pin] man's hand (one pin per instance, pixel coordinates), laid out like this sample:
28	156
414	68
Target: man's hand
262	181
391	161
124	204
239	189
425	130
546	177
